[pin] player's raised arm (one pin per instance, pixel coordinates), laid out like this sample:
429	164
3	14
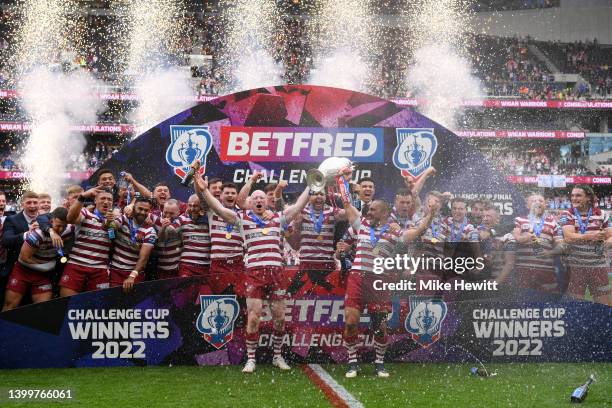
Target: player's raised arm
412	234
201	188
243	195
299	205
74	212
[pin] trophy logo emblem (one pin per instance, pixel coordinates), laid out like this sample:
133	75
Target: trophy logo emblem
188	144
217	318
425	318
414	151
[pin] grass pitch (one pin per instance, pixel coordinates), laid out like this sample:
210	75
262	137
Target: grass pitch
410	385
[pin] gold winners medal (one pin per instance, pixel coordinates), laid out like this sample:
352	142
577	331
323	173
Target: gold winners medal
320	238
228	236
434	240
375	251
63	259
265	231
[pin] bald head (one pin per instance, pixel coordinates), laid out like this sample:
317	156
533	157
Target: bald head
257	201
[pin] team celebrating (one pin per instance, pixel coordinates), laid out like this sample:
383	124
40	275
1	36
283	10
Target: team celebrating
237	241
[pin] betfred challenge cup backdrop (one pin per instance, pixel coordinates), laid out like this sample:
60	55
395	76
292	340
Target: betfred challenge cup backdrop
287	130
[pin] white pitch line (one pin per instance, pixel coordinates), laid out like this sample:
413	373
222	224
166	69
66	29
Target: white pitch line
342	392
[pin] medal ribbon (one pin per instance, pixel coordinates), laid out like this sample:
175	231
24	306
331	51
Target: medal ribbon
454	235
537	228
318	224
434	230
133	230
100	216
375	238
583	225
257	220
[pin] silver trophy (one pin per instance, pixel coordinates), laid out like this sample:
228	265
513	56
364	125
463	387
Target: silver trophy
334	174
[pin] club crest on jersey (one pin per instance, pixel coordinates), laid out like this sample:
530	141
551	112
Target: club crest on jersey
414	151
217	317
188	144
425	318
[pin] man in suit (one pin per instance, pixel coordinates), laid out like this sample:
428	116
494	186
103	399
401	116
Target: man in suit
3	214
14	229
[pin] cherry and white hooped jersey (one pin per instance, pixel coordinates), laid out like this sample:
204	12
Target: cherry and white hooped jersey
433	246
405	222
458	232
128	242
222	246
262	249
195	235
45	251
92	245
168	251
499	247
583	254
526	256
367	250
317	247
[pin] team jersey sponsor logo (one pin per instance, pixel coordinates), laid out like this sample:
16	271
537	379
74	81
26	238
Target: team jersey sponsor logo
188	144
425	318
217	317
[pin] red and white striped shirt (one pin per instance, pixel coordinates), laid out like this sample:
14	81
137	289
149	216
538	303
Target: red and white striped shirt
222	246
168	251
432	240
196	239
128	241
528	256
317	248
45	251
460	232
368	250
405	222
499	247
583	254
262	249
91	246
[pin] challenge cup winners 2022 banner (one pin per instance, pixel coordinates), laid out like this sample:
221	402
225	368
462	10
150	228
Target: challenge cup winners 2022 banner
284	131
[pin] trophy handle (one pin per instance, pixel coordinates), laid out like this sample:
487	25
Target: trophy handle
315	179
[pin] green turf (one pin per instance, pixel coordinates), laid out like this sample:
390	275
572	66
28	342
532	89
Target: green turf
169	387
410	385
451	385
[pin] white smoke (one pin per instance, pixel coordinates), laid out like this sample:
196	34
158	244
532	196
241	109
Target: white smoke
442	71
256	68
162	94
443	79
342	69
246	58
54	101
343	35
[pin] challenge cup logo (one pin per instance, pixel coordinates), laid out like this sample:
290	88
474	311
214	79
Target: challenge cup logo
425	319
414	151
188	144
217	317
189	151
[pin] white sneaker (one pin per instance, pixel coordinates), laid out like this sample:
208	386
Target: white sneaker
351	371
249	367
280	362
